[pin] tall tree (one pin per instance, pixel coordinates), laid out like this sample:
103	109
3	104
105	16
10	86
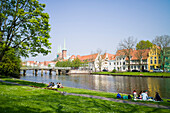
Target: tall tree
100	59
142	49
143	45
24	26
127	47
163	42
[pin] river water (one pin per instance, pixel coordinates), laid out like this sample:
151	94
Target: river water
121	84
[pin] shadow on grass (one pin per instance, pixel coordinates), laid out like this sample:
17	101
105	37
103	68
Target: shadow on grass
27	83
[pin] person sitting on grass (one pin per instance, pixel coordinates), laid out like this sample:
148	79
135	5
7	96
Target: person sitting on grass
144	95
60	85
50	84
134	94
157	97
53	84
140	96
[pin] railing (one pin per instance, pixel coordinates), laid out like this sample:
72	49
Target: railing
31	68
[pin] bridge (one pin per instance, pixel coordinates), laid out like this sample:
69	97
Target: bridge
59	70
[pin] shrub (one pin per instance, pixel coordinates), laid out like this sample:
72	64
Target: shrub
10	64
114	71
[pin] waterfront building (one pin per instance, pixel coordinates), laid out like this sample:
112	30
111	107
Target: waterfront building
138	60
120	61
108	61
154	58
97	62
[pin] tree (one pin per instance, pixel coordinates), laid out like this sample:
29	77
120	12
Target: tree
163	42
100	59
76	63
10	63
24	26
142	49
143	45
127	47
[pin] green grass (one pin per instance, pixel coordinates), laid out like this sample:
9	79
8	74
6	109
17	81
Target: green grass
24	82
23	99
135	73
82	91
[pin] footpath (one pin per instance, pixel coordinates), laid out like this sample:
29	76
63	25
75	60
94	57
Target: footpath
102	98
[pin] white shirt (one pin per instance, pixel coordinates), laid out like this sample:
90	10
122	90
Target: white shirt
144	96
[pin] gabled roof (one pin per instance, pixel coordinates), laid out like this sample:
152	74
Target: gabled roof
110	56
89	58
122	52
137	53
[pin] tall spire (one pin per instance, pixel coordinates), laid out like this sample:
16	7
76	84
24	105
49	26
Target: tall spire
64	45
60	49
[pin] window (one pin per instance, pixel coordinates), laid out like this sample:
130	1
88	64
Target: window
123	58
155	57
146	67
151	68
151	62
155	61
114	63
135	67
138	67
151	58
110	63
123	63
131	67
117	63
120	58
123	68
120	63
159	61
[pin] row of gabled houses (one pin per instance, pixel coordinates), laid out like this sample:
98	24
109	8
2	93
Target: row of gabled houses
147	59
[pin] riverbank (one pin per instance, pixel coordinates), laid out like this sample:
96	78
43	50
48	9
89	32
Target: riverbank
135	74
25	99
82	91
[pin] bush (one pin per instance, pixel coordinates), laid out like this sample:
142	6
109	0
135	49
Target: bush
10	64
114	71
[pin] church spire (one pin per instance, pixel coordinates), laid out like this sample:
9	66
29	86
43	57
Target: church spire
64	45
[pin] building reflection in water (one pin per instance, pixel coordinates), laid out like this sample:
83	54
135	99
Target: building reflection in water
107	83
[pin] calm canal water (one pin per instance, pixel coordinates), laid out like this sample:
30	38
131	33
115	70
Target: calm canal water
106	83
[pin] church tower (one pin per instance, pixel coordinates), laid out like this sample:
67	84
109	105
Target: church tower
64	51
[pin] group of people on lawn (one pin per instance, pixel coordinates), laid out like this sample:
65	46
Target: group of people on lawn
143	95
52	85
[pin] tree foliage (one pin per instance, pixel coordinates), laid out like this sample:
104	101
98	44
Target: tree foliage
75	63
163	42
127	47
143	45
24	26
10	64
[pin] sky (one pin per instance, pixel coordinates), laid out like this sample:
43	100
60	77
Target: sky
88	25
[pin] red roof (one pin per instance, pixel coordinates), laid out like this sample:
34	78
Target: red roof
138	53
110	56
134	53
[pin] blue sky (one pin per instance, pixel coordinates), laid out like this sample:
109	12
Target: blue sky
87	25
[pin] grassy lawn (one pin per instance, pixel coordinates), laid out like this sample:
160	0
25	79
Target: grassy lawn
24	99
135	73
82	91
